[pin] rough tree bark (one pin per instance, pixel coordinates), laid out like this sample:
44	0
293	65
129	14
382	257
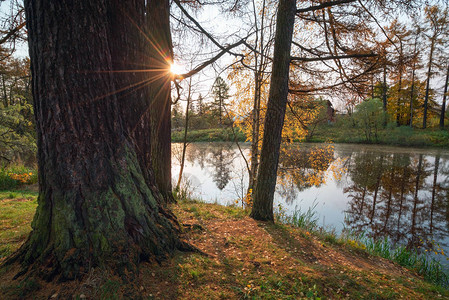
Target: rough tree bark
95	205
274	120
158	16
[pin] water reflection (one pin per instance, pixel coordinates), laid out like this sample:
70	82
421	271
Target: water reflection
381	191
216	160
221	159
302	168
402	196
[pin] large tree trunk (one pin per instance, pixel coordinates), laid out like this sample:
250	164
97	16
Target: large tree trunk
146	104
159	37
95	205
274	120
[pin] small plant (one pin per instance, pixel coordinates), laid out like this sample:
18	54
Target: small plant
184	192
307	220
6	182
280	214
15	176
423	264
247	201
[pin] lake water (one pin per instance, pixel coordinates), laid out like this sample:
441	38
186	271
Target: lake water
399	193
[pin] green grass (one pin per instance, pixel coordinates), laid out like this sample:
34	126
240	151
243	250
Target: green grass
423	264
15	219
307	220
208	135
390	135
23	193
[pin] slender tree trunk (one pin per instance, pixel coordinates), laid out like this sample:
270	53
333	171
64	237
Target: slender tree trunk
384	89
429	75
274	120
443	105
186	128
398	114
220	108
255	136
412	92
95	207
258	77
5	95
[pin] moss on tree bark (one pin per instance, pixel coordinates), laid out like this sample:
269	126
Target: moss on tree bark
98	205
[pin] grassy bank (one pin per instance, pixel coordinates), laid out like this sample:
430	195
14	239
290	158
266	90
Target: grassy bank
208	135
240	259
395	136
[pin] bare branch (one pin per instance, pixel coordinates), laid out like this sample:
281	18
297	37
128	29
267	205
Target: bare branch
11	33
323	5
209	36
332	57
210	61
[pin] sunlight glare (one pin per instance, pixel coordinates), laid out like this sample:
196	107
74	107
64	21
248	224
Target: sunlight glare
176	69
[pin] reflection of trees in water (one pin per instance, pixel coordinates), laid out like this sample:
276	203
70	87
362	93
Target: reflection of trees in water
397	196
221	161
221	157
216	157
198	153
444	170
302	168
299	168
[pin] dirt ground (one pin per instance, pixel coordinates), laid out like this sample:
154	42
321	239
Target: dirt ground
240	258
